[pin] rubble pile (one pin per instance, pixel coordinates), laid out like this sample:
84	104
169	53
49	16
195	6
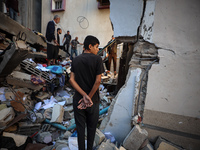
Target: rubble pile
36	105
41	117
36	108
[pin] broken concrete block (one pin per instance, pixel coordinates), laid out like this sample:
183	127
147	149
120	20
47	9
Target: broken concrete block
162	144
107	146
19	139
21	75
28	129
120	108
99	137
21	83
6	115
44	137
57	114
135	138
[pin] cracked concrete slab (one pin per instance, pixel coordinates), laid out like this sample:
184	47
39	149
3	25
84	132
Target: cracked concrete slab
121	115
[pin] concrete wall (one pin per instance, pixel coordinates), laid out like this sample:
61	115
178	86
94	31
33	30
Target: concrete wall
173	90
176	79
98	23
125	16
172	104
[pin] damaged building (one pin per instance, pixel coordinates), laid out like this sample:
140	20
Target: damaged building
152	104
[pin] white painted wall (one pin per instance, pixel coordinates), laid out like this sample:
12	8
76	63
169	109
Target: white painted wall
174	83
125	16
99	21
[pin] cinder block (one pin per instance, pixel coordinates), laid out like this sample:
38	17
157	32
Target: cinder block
28	129
99	137
135	138
162	144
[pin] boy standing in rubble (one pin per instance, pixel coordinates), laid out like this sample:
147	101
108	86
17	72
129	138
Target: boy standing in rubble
85	78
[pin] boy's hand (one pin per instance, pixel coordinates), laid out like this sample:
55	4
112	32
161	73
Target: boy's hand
81	105
85	102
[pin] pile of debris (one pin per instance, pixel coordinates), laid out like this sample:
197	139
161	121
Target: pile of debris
36	110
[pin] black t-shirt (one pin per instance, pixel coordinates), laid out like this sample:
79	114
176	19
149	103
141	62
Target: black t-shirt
68	38
86	67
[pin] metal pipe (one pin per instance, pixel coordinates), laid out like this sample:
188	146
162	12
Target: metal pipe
74	125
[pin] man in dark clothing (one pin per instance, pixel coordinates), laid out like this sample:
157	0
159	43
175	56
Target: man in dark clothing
12	8
112	50
85	78
74	43
52	50
67	38
59	31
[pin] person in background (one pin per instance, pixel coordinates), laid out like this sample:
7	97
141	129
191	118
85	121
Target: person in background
52	43
112	50
12	8
85	77
67	39
59	31
74	43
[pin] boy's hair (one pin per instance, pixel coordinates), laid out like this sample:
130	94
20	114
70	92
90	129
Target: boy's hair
90	40
58	29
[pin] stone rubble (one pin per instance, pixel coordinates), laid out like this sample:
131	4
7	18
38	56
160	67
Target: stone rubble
36	105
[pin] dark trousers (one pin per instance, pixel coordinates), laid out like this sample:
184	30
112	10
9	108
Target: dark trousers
66	48
87	117
114	57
